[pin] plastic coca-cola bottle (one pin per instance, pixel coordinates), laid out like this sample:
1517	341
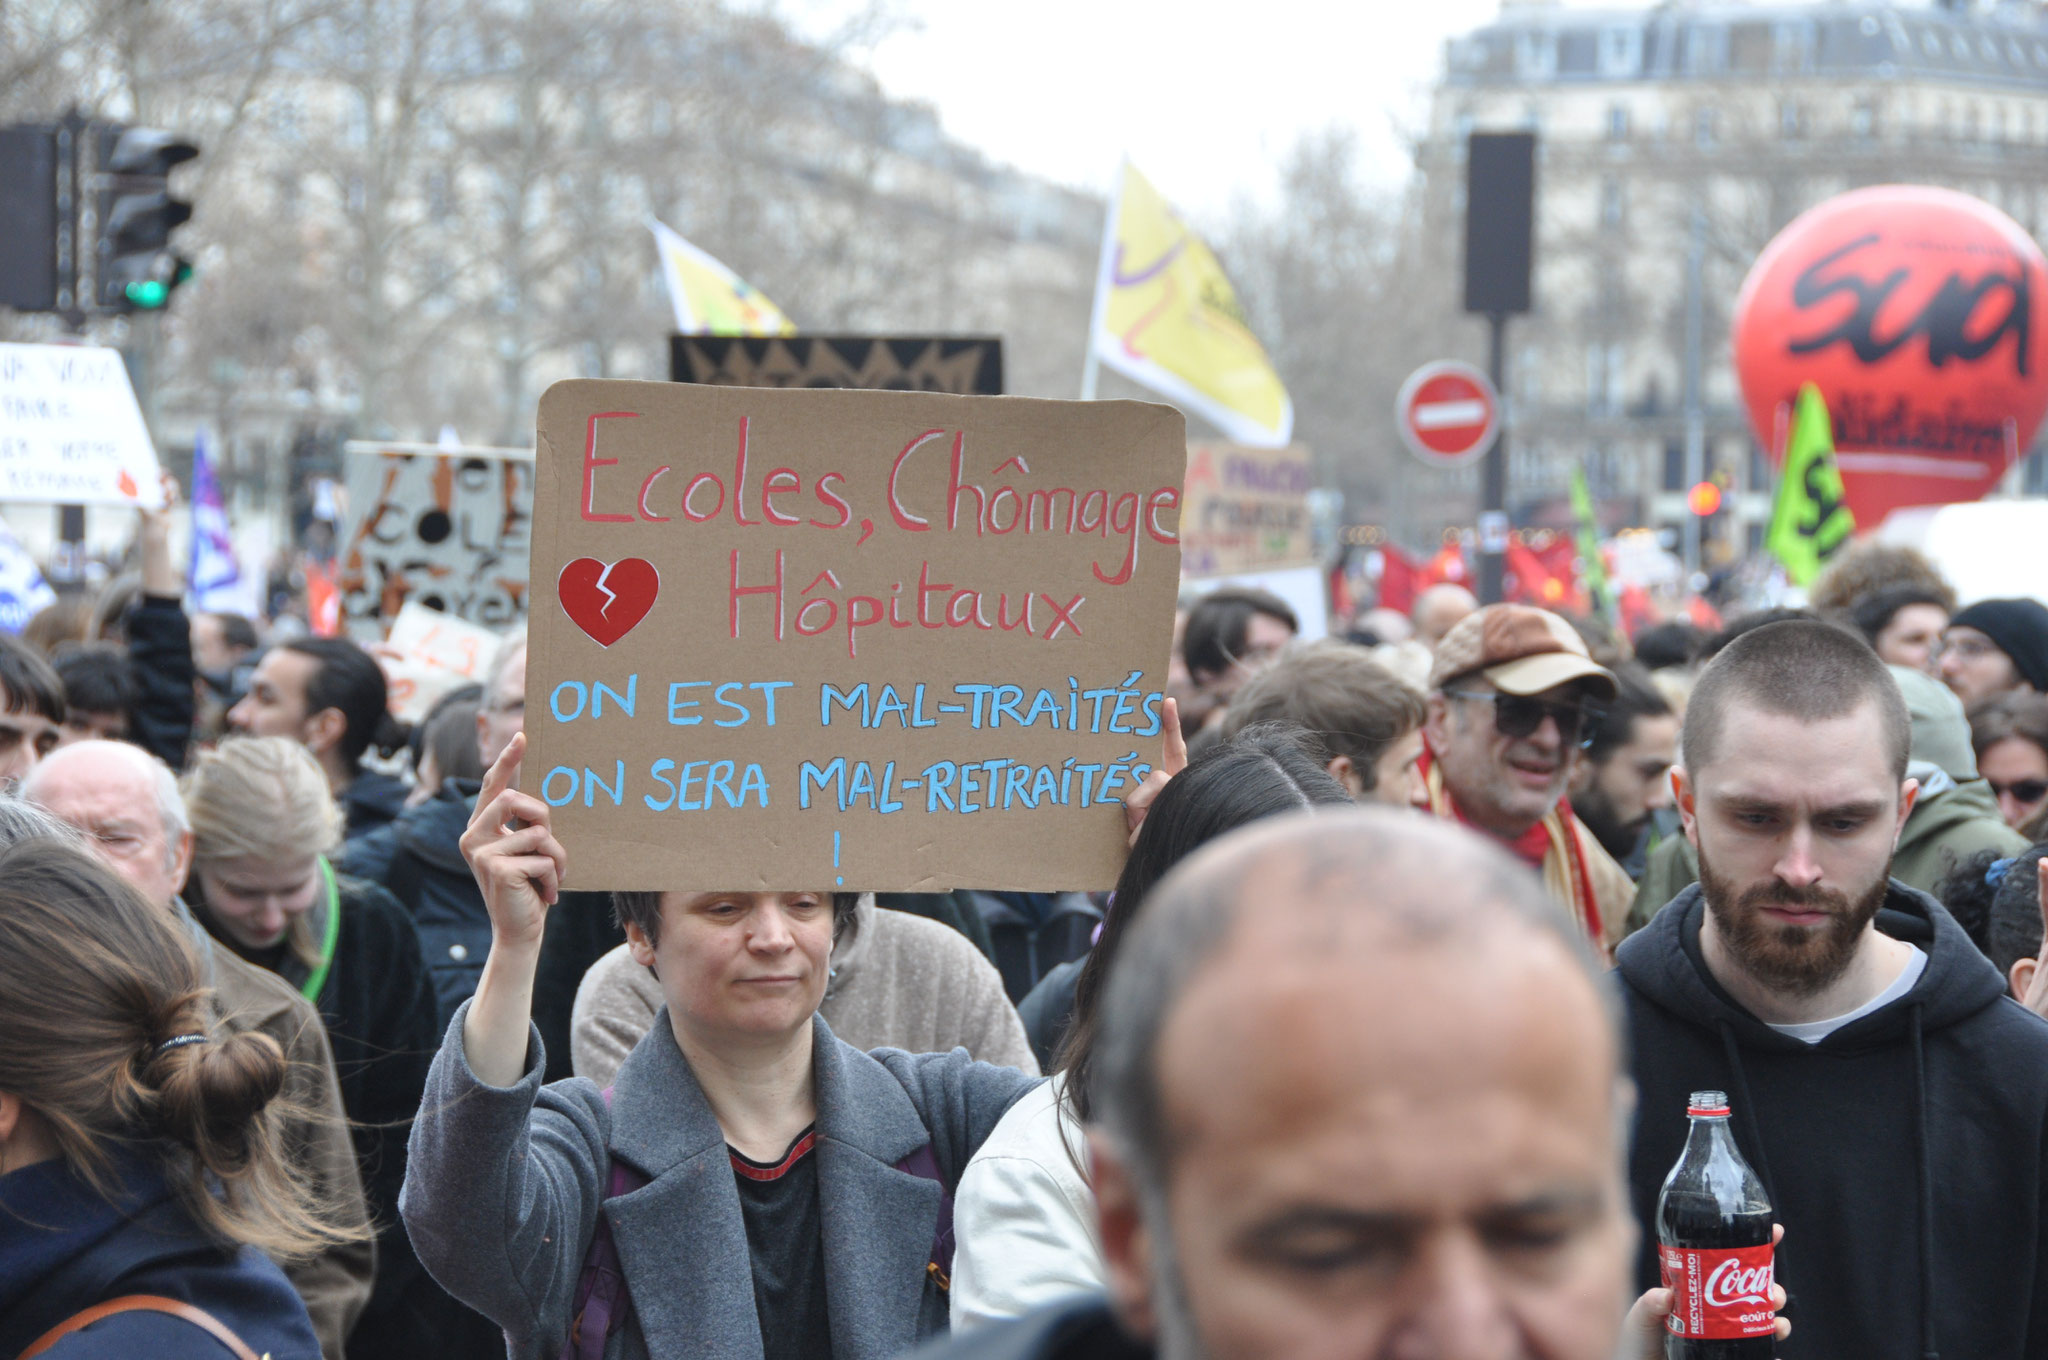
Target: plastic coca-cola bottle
1714	1245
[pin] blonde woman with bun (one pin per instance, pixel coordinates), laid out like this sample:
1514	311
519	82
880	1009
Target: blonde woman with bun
141	1159
263	824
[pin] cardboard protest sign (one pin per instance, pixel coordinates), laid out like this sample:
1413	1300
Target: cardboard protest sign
70	431
446	529
430	653
842	639
1246	509
968	365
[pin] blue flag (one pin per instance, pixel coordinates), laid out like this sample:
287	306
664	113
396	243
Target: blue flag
215	579
23	591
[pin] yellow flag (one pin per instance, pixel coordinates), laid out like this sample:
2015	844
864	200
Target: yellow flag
709	298
1166	316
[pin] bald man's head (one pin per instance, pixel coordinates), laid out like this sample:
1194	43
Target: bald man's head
1438	609
1344	1039
126	802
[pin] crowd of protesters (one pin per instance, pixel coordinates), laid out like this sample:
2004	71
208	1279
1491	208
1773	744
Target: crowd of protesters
1380	1045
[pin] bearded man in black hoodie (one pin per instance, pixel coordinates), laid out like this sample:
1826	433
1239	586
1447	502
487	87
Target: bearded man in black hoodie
1890	1094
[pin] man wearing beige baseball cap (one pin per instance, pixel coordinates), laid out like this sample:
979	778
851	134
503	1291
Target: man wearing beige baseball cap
1512	697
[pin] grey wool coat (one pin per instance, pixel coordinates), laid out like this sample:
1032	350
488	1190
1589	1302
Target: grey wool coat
503	1185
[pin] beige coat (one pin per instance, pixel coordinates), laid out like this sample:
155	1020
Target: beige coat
1612	888
899	981
336	1283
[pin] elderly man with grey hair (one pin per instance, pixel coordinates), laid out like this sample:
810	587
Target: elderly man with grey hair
125	802
1358	1093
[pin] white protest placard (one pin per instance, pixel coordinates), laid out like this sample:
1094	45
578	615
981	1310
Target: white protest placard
447	530
430	653
70	431
1246	510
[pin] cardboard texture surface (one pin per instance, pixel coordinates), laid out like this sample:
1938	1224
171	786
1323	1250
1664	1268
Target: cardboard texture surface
956	609
448	531
1246	509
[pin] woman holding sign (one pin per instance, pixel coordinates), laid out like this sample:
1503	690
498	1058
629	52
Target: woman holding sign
612	1223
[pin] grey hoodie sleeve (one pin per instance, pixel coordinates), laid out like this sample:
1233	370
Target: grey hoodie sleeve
959	1099
502	1187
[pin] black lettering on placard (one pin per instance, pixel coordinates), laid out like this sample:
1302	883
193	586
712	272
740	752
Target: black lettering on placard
967	365
1825	520
1865	420
1945	320
451	534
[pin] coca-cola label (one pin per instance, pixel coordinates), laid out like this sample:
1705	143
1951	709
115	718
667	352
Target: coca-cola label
1718	1293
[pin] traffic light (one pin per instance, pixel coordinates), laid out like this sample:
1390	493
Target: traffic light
1703	499
135	268
28	217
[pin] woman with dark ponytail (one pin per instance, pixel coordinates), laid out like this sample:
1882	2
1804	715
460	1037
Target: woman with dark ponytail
144	1192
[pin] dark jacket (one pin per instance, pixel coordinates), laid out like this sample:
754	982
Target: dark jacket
418	858
160	659
1080	1328
1034	933
1047	1010
381	1022
1906	1153
372	799
505	1184
581	930
63	1249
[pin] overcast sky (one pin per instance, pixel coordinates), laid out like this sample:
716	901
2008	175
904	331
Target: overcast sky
1204	95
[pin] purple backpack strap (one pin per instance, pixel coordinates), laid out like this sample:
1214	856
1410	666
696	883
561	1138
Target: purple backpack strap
602	1302
925	1166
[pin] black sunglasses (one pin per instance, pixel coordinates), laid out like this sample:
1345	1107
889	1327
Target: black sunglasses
1517	716
2022	790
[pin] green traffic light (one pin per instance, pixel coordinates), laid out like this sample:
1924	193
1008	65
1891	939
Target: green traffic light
149	293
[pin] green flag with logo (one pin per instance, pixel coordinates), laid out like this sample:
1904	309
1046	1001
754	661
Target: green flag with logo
1809	517
1592	567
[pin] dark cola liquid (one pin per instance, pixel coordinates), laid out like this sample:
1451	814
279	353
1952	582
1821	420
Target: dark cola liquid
1697	1221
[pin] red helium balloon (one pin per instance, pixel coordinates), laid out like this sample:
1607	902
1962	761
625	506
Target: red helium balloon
1919	312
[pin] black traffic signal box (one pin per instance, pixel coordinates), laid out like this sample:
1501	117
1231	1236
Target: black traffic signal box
135	267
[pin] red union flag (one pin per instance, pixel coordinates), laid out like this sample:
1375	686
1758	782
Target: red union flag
1447	413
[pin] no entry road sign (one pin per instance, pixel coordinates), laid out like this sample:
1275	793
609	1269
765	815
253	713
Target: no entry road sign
1447	413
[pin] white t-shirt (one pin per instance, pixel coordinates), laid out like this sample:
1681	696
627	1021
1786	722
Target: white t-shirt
1813	1031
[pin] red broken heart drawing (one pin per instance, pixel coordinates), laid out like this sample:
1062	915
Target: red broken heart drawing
606	599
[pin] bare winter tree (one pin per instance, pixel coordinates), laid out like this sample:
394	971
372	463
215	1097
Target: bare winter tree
1350	297
421	212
